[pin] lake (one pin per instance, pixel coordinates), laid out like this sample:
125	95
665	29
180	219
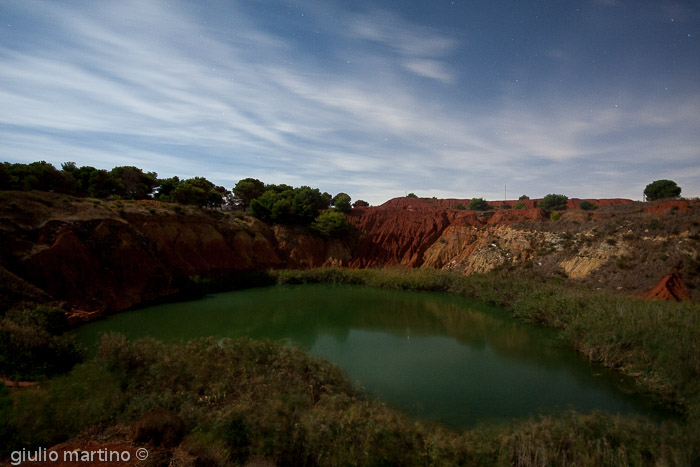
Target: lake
434	356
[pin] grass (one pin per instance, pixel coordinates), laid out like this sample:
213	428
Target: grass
657	342
243	399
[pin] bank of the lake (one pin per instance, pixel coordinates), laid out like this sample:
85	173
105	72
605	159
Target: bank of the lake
656	342
245	399
432	355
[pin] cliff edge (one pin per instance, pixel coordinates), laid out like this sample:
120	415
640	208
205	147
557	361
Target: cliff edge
96	255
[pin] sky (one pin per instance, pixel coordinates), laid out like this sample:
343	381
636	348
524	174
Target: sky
374	98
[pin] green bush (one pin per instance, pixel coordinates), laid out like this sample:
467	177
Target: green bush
519	205
661	189
341	202
331	224
553	202
282	204
478	204
587	205
28	352
555	216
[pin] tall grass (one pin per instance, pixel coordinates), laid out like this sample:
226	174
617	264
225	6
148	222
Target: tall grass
243	399
656	342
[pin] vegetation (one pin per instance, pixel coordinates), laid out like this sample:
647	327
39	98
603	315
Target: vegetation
331	224
341	202
666	365
247	190
519	205
303	413
587	205
553	202
32	344
198	191
360	204
523	197
282	204
661	189
241	399
271	203
460	206
411	195
478	204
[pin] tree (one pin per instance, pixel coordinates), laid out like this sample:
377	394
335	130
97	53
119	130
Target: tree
478	204
331	224
5	177
282	204
164	191
360	203
198	191
341	202
40	176
553	202
247	190
661	189
411	195
102	184
587	205
133	182
523	197
82	176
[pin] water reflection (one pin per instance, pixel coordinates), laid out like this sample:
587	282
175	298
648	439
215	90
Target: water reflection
432	355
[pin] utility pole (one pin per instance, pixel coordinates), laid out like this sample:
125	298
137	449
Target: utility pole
505	192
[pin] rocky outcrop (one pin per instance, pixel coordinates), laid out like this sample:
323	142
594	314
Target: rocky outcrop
670	287
611	247
300	249
399	232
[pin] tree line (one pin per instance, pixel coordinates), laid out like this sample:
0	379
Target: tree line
277	204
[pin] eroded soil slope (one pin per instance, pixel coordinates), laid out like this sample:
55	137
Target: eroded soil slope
622	245
96	255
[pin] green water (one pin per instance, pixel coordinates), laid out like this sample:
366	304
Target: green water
434	356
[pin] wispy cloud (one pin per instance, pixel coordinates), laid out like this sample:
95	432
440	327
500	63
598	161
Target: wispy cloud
150	84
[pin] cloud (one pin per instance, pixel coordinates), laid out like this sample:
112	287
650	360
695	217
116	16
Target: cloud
152	85
417	49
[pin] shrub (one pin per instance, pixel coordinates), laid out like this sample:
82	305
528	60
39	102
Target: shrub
341	202
29	352
331	224
587	205
553	202
523	197
519	205
555	215
411	195
160	426
479	204
660	189
360	204
460	206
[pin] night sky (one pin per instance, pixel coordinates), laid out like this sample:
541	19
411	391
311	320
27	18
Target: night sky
374	98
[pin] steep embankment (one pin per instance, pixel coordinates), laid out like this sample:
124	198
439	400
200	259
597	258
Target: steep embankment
110	255
100	256
623	245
